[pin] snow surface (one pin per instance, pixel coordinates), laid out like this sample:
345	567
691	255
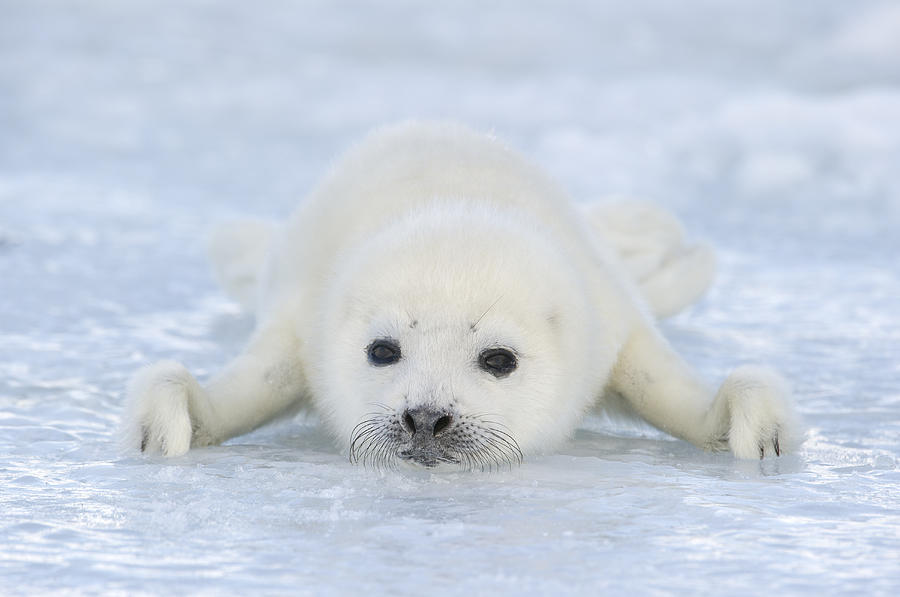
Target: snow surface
771	127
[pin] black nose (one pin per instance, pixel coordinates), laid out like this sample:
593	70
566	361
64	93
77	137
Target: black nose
426	420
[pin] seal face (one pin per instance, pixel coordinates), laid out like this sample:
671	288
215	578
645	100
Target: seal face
439	300
430	434
449	349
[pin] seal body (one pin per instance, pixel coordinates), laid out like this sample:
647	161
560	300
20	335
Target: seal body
439	299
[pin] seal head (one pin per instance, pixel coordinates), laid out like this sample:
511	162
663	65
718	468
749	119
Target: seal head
457	336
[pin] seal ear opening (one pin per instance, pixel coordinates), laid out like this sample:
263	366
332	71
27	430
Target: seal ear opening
238	250
555	320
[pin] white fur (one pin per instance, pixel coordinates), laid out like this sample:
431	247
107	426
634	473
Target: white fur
238	251
160	397
450	243
752	412
671	273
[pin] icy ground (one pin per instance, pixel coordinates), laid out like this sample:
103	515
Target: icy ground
771	127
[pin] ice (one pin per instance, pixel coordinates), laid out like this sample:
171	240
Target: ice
771	128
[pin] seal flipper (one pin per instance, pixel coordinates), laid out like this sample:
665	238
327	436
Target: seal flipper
751	414
168	411
650	241
238	251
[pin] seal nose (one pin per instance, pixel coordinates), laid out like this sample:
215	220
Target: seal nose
426	421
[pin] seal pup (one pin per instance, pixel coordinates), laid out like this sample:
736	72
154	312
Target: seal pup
438	299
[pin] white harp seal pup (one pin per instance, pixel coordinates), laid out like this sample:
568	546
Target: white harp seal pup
438	299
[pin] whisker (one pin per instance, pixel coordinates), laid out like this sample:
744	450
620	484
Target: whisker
507	442
361	440
477	321
484	443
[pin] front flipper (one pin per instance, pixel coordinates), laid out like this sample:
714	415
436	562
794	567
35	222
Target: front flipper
751	414
168	412
753	407
159	417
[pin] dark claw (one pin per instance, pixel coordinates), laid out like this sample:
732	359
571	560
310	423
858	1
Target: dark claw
145	438
777	447
762	452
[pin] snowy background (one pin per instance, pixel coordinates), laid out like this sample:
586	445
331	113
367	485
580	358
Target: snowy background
771	127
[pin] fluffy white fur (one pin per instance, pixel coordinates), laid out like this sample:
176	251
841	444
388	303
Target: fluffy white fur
450	243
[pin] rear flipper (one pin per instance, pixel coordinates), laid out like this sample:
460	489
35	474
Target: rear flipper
670	273
238	251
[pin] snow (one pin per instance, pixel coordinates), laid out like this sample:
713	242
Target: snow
771	128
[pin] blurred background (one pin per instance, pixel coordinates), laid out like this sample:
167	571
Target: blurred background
703	100
771	128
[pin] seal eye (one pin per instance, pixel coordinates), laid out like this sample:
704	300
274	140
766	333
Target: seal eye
499	362
383	352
